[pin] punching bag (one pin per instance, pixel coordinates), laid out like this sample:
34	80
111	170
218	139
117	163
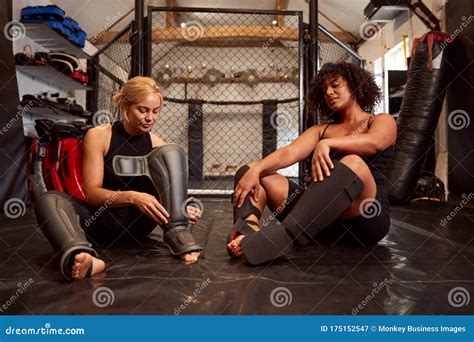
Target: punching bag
419	114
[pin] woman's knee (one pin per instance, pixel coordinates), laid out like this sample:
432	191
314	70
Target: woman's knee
242	170
356	164
272	182
266	182
276	189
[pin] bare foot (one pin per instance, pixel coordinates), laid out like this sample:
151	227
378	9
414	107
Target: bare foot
190	257
82	262
235	248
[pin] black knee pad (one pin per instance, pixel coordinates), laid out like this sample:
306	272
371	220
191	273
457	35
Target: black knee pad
247	207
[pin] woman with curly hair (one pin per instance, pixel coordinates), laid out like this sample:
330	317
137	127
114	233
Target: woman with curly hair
346	202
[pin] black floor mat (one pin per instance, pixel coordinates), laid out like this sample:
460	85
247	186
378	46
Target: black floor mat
422	267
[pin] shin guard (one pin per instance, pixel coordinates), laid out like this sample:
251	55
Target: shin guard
167	168
321	204
60	224
241	225
247	207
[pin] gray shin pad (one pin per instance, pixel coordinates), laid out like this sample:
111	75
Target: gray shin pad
167	168
60	224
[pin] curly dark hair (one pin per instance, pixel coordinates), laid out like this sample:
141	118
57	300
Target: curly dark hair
361	83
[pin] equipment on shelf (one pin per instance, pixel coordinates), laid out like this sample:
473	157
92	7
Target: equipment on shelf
68	65
63	62
52	104
212	77
56	19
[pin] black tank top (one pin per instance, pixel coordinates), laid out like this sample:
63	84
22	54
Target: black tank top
125	144
377	162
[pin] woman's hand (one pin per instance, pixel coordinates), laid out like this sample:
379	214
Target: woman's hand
249	183
321	163
194	214
149	205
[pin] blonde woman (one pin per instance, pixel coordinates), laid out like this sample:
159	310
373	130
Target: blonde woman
133	181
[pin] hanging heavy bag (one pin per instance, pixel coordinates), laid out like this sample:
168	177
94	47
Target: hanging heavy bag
426	86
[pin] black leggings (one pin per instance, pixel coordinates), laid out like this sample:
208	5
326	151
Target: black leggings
358	231
103	223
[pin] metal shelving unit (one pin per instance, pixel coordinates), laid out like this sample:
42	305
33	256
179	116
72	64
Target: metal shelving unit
49	75
52	40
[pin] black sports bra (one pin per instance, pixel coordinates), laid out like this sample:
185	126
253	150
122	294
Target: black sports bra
369	122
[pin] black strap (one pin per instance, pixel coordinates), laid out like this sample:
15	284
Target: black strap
324	131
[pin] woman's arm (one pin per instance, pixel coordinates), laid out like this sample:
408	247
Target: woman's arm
281	158
298	150
93	171
382	134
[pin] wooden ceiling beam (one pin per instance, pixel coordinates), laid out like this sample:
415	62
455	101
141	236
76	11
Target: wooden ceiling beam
170	16
215	33
241	33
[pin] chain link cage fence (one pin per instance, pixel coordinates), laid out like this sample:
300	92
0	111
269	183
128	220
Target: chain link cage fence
111	68
231	82
331	50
